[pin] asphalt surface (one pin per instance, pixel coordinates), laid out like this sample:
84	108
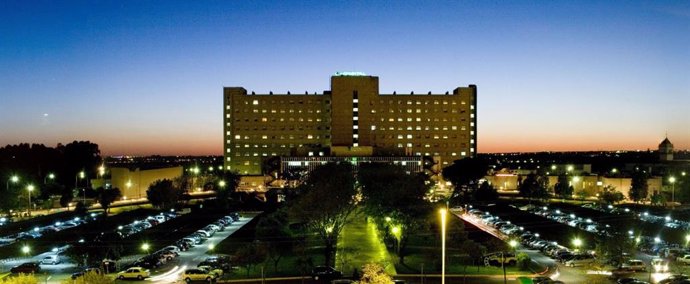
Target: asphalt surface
167	273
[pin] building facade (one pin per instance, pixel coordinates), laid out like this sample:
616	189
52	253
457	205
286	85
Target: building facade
354	116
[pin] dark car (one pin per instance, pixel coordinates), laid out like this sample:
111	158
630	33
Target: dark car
220	262
325	273
27	267
81	273
148	262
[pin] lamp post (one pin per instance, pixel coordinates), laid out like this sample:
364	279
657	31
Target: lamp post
145	247
13	179
30	188
397	232
672	180
26	250
50	176
443	213
577	242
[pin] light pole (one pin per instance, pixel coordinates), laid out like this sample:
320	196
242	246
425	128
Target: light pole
30	188
443	213
672	180
50	176
577	242
13	179
26	250
145	247
397	232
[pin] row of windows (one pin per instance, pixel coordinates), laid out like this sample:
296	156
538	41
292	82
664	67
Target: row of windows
410	136
420	119
419	102
281	137
419	110
285	128
314	111
419	127
282	119
300	102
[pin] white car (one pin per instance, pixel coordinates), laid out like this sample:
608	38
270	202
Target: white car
635	264
580	260
51	259
172	249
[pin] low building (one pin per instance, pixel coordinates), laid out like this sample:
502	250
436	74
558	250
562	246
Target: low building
133	183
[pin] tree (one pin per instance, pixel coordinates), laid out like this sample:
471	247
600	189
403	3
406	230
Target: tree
533	187
563	188
248	255
163	194
638	187
10	197
66	197
107	197
373	273
325	200
486	193
615	245
609	195
389	192
274	232
226	184
465	174
657	199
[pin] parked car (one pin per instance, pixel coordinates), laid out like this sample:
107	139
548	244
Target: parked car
134	273
27	267
622	272
325	273
174	249
218	272
85	271
580	260
659	265
196	274
51	259
635	265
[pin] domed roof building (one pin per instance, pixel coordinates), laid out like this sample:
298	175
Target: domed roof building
666	150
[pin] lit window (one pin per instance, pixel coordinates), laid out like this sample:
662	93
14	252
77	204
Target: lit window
355	135
255	102
409	136
355	109
400	137
355	144
355	101
355	127
238	137
263	119
454	127
355	118
453	154
373	127
310	136
409	145
463	153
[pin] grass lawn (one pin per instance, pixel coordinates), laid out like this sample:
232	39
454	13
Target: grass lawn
360	244
430	261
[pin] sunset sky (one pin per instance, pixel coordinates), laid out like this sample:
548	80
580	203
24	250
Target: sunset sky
146	77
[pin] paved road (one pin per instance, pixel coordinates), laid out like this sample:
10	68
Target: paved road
168	273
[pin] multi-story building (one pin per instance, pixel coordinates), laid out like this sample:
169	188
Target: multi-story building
352	119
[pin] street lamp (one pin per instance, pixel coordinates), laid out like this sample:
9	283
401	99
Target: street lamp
26	250
443	212
672	180
145	247
50	176
30	188
577	242
221	183
13	179
396	232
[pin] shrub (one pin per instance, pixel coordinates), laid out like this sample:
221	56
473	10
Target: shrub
523	261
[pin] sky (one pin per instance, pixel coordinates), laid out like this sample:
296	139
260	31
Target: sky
146	77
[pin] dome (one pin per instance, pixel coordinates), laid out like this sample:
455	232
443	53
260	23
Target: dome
666	144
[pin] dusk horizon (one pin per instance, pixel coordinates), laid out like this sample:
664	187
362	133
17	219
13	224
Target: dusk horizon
147	78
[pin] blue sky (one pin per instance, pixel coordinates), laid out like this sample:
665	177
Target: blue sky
146	77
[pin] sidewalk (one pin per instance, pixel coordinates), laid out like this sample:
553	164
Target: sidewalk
359	244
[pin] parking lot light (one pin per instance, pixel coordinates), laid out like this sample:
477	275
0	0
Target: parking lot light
26	249
657	240
687	238
577	242
630	232
211	246
145	247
